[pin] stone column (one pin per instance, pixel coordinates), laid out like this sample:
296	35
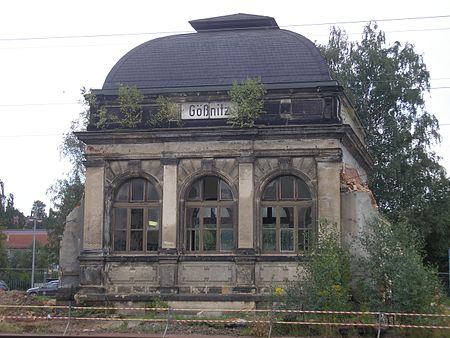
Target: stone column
91	258
329	195
170	204
246	202
168	272
245	262
93	206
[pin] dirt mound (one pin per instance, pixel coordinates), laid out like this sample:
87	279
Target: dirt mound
21	304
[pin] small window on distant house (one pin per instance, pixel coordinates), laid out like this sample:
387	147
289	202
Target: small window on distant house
286	215
136	217
210	216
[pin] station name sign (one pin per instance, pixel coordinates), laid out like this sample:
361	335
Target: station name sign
205	110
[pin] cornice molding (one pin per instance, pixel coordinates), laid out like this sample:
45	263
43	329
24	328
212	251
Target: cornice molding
342	132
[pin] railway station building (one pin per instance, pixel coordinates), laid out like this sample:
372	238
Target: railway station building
196	209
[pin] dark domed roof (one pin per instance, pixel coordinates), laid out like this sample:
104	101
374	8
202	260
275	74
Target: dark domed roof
224	49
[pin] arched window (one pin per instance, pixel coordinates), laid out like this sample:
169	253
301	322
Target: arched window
136	217
286	215
210	216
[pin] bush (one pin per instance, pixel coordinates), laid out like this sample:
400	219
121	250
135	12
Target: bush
395	277
246	103
130	101
167	111
326	283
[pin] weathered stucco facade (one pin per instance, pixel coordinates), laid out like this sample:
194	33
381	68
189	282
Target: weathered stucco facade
204	211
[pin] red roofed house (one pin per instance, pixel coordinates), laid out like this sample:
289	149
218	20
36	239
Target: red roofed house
23	239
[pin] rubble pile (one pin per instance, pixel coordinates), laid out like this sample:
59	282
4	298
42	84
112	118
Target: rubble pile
351	181
21	299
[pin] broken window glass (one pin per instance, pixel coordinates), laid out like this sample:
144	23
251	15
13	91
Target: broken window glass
269	228
136	228
209	216
209	240
286	215
227	231
210	188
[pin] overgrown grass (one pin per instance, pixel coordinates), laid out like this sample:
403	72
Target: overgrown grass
6	327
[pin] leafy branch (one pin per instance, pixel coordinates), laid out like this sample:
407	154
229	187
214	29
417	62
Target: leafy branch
246	102
168	110
130	101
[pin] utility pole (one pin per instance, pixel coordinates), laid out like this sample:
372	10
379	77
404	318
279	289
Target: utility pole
36	217
34	249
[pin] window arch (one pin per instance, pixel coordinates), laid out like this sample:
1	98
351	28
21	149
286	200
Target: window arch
287	215
210	216
136	217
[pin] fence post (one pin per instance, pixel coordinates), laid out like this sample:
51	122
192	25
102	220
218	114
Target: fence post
271	320
69	315
167	324
380	320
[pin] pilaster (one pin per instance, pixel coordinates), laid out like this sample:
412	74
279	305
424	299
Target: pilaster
94	206
329	196
170	204
246	201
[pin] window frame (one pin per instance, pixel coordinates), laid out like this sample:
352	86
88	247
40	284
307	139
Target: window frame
199	202
297	202
128	205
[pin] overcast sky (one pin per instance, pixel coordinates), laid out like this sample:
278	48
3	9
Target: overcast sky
49	50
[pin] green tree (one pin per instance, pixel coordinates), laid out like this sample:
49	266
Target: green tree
130	101
38	210
434	221
71	147
22	259
66	193
130	106
10	217
246	102
386	84
168	110
396	279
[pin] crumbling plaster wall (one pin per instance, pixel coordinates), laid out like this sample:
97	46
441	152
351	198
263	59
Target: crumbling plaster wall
255	162
358	209
70	247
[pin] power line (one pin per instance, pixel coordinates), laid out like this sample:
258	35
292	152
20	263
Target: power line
90	36
30	135
39	104
181	32
97	45
372	20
